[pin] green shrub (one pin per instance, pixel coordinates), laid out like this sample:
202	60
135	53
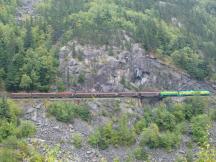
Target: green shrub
199	126
77	140
107	132
116	138
8	152
4	110
150	136
189	60
11	131
164	119
189	155
153	138
194	106
140	125
178	111
8	155
127	135
9	122
169	140
82	112
6	129
25	129
106	135
8	110
116	159
96	140
148	115
213	114
18	150
66	112
207	153
189	111
62	111
140	153
181	128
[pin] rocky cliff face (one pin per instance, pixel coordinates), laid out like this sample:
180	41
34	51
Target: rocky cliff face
92	68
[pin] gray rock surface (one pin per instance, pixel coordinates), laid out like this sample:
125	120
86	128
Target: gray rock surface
125	69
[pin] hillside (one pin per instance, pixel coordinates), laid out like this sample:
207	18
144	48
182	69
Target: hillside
107	46
181	33
113	130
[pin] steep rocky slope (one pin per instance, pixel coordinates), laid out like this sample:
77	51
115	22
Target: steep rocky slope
57	135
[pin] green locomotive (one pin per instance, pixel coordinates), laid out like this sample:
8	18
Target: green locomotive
183	93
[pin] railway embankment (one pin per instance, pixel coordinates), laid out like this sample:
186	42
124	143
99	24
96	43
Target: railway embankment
52	133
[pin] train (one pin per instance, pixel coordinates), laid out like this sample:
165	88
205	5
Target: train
84	95
184	93
146	94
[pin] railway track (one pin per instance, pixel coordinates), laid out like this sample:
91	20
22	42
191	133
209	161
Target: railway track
75	94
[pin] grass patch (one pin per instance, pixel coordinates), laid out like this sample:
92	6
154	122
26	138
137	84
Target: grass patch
77	140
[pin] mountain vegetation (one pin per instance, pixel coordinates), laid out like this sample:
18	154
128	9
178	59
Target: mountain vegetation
180	31
12	133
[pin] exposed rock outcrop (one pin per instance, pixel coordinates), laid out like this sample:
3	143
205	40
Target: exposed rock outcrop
116	69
